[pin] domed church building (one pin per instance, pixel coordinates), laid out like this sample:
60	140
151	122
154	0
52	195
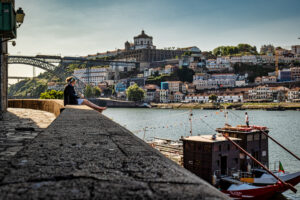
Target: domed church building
143	41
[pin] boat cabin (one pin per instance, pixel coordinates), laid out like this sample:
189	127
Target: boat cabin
252	140
209	155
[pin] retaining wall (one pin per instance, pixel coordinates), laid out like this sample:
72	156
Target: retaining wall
85	155
49	105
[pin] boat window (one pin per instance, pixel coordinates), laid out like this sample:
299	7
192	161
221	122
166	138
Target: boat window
206	148
263	137
249	137
256	136
236	160
199	147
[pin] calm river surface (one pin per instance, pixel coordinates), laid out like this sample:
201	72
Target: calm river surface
172	124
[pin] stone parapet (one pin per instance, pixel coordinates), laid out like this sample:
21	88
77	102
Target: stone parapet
85	155
49	105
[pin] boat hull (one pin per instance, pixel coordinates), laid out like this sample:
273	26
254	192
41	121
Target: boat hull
258	193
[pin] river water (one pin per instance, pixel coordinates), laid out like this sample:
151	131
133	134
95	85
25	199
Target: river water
172	124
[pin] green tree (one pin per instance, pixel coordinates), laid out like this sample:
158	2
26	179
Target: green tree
185	74
88	91
156	73
240	49
96	91
213	98
52	94
134	93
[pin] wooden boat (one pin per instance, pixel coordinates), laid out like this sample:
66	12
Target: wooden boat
258	188
240	190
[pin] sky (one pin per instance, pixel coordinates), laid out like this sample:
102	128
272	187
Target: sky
78	28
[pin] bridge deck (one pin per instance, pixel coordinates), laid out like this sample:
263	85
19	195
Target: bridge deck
85	155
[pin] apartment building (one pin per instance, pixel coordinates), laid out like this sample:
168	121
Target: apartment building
175	86
268	94
295	73
164	96
294	95
94	76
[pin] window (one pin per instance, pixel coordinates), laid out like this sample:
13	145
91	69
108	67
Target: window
249	138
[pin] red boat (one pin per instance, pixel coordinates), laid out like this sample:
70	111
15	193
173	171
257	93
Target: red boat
239	190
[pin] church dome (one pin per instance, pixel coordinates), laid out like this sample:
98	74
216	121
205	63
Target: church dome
143	35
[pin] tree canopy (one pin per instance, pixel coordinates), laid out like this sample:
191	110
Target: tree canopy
134	93
91	91
213	97
52	94
240	49
267	48
185	74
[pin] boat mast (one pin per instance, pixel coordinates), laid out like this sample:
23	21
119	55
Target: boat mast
145	129
265	168
191	124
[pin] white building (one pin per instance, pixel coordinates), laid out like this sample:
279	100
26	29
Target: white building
122	67
175	86
216	81
201	76
164	96
211	64
143	41
223	98
96	75
296	49
178	97
244	59
240	83
263	93
197	98
268	79
294	95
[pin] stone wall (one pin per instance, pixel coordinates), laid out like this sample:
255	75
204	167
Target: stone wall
85	155
49	105
114	103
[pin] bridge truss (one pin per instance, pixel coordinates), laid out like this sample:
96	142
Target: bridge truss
52	63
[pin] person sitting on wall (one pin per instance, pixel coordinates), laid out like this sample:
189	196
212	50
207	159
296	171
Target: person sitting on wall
71	98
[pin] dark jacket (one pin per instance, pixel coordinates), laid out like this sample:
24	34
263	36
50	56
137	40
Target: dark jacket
70	96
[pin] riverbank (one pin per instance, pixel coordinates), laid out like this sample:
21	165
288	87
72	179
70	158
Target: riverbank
234	106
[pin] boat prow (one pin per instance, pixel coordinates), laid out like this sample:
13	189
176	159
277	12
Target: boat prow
248	191
267	179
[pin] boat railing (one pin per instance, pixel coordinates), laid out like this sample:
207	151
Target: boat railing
233	172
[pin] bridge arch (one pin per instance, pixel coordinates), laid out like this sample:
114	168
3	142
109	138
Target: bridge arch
47	66
34	62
